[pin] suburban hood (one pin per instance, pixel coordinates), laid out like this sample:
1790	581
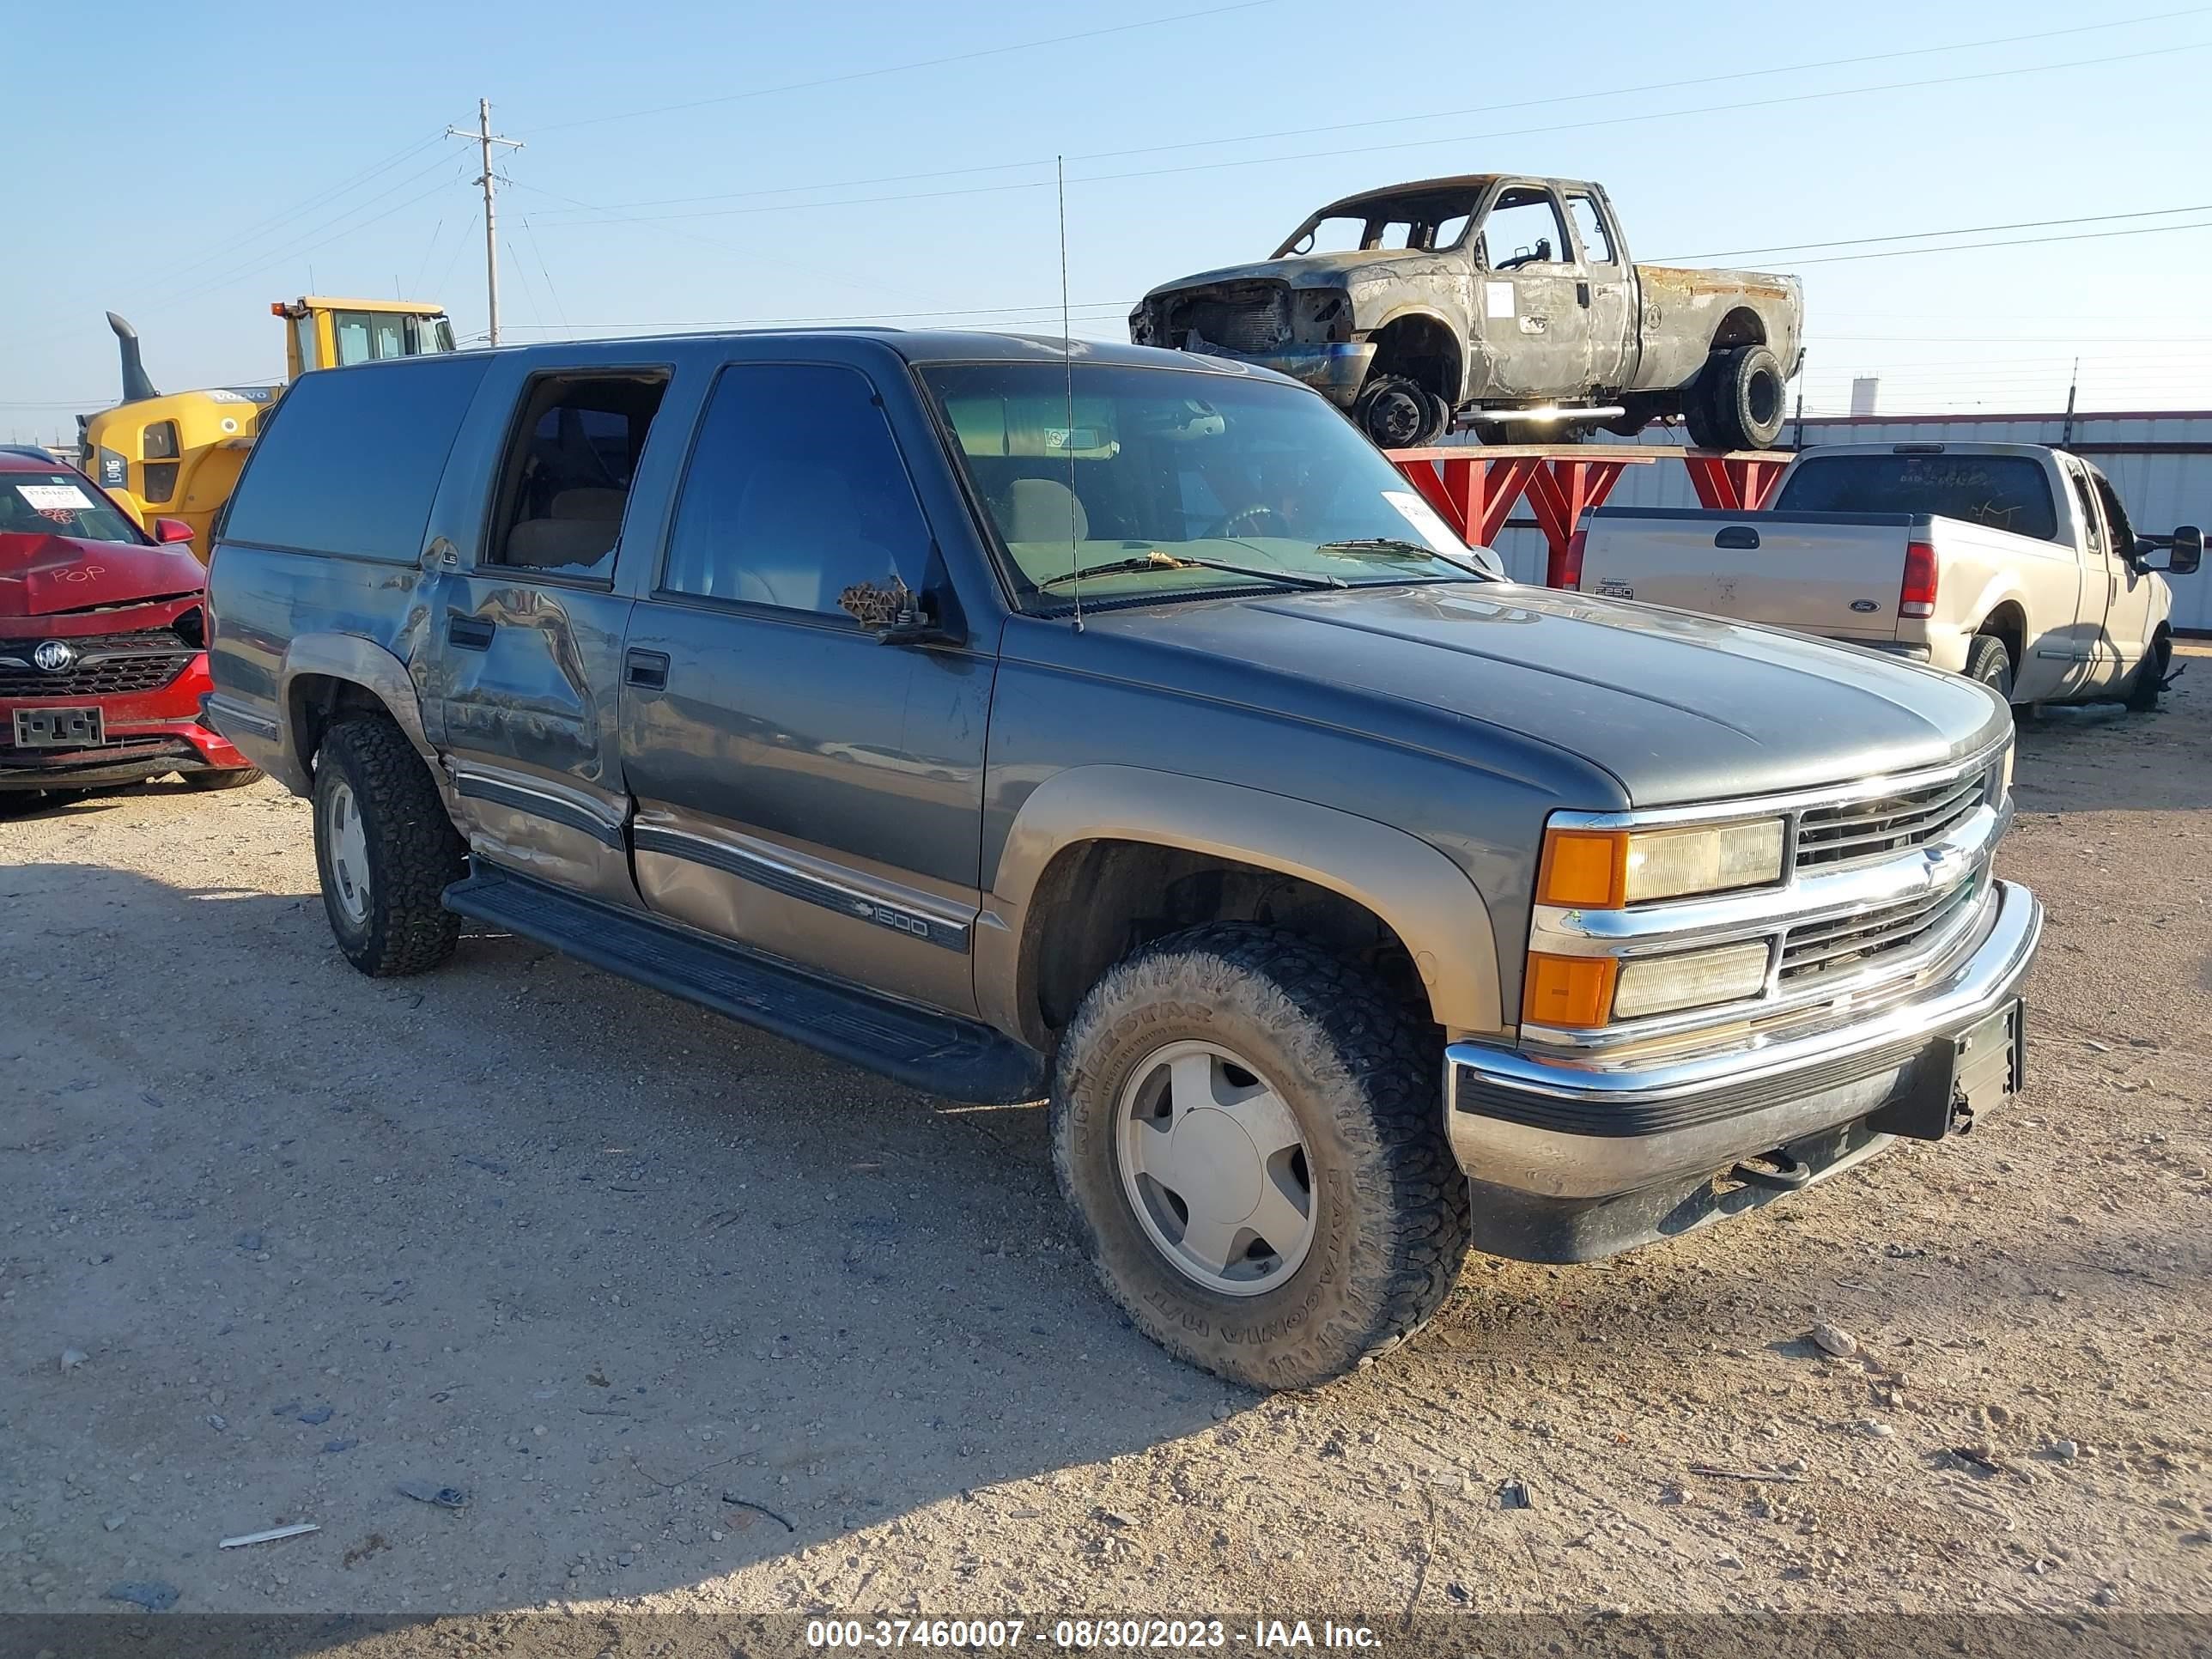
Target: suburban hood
1303	270
1678	708
44	575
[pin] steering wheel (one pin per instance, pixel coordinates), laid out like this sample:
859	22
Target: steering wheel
1247	520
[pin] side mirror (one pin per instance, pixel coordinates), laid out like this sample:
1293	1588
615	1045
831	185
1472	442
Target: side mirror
172	530
2188	550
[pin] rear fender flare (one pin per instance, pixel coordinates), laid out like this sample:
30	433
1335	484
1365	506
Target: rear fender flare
357	661
1421	894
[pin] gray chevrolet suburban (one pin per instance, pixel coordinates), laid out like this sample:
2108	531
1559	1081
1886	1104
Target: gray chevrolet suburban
1017	719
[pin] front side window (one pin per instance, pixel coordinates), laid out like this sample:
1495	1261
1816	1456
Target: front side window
2116	516
797	497
1523	228
60	504
1144	483
350	333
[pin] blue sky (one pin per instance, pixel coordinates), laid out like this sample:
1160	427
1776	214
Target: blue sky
692	164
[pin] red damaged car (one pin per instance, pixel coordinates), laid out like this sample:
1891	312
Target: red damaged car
102	658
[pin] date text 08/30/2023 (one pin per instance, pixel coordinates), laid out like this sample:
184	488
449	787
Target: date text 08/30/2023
1141	1635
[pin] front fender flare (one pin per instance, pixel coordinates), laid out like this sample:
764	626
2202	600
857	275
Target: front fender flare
1421	894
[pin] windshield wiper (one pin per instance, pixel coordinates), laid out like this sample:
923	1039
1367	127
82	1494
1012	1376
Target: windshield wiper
1390	547
1159	560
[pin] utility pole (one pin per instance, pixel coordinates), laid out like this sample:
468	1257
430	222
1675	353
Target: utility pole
485	139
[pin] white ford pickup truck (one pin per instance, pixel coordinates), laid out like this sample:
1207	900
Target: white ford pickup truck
2013	564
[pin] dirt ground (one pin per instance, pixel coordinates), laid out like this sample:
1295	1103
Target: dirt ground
696	1320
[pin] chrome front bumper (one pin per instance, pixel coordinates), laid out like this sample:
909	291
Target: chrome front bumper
1579	1127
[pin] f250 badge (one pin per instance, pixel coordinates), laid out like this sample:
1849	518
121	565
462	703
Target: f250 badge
1613	588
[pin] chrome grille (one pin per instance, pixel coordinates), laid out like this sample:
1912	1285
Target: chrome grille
1829	836
1850	944
106	665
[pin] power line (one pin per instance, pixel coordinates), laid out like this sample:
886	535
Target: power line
901	69
2022	241
1432	115
2071	66
1922	235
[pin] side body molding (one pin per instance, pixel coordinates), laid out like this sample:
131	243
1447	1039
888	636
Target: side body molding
342	657
1423	897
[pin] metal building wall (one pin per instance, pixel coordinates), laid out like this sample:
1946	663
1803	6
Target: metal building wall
2162	464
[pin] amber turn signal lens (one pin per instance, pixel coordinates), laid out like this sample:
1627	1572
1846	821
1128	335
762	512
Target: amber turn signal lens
1584	869
1574	992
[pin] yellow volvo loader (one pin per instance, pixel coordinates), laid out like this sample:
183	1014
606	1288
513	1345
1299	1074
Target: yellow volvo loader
177	455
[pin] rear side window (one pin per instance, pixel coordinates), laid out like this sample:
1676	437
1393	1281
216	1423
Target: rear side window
797	497
2002	492
564	488
351	461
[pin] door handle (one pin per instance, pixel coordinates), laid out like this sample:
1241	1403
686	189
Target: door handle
470	633
1582	294
1738	536
646	668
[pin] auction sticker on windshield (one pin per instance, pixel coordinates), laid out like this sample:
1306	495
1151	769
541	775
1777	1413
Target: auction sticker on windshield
1423	518
55	498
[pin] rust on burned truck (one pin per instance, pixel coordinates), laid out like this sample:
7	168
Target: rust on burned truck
1509	300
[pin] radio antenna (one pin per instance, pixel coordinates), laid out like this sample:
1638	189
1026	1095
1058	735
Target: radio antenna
1067	432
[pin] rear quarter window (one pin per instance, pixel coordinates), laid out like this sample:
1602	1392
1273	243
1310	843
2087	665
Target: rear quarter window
352	459
2002	492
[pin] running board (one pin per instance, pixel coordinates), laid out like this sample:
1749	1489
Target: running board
938	1053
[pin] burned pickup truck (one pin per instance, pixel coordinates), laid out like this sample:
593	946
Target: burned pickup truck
1509	300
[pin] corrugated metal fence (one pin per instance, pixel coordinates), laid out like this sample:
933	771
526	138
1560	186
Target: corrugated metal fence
2162	464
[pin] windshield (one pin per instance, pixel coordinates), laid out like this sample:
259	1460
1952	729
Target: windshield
60	504
2004	492
367	337
1159	468
1422	223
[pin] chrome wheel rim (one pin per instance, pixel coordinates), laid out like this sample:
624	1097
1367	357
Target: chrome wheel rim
1216	1167
346	845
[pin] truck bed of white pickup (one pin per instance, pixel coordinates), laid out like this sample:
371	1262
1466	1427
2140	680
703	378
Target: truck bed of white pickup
2012	562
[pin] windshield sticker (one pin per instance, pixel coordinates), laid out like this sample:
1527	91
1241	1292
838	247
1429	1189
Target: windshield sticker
61	501
1498	299
1431	528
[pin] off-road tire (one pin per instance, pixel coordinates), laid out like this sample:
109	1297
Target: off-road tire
1363	1078
413	851
1988	661
1386	396
213	779
1744	389
2148	683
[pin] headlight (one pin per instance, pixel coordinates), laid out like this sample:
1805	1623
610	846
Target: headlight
1690	979
158	443
1609	869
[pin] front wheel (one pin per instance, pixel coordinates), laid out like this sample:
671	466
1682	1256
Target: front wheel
1395	413
2149	680
384	849
232	777
1249	1132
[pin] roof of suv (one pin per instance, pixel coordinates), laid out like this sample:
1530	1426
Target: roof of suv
916	346
16	459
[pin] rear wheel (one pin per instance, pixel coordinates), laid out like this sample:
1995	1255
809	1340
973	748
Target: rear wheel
1988	661
1247	1132
384	849
2149	683
1739	400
